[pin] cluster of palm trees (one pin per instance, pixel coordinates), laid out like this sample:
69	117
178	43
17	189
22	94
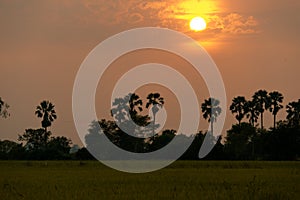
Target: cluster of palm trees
254	108
131	106
242	108
263	101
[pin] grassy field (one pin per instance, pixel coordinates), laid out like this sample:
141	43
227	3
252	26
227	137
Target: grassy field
181	180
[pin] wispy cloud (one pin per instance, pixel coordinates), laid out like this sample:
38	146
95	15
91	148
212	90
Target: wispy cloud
233	23
172	14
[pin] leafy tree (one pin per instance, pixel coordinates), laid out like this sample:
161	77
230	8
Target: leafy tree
282	143
36	139
239	106
46	111
128	108
157	102
211	110
262	103
120	109
276	98
10	150
84	154
239	141
39	145
74	149
217	153
109	129
293	113
3	109
162	140
58	148
192	152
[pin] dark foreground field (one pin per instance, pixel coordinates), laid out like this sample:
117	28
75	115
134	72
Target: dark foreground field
181	180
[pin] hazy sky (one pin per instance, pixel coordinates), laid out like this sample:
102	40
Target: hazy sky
254	43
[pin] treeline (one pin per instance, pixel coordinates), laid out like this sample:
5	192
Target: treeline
39	144
246	140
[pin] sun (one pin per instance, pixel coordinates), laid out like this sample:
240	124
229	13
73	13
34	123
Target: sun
198	24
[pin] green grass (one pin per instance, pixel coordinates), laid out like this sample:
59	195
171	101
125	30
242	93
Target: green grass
181	180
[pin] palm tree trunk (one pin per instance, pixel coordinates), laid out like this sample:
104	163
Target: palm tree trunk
212	128
253	146
274	121
153	127
262	120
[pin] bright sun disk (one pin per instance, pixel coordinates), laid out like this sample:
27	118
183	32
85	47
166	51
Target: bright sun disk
197	24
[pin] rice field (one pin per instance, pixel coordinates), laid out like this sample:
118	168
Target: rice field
181	180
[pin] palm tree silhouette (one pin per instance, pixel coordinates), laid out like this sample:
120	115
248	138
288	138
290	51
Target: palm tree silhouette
211	110
46	111
293	110
239	106
135	104
262	103
157	102
3	109
252	112
276	99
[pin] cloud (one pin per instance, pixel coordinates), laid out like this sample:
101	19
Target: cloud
176	14
173	14
113	12
233	23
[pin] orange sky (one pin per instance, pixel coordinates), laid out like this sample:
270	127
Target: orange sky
255	44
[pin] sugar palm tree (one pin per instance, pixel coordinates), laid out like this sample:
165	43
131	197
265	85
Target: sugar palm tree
276	99
3	109
135	107
293	111
252	112
46	111
239	106
157	102
131	104
135	104
211	110
262	103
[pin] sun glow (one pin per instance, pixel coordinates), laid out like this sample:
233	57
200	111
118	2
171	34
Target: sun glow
197	24
190	8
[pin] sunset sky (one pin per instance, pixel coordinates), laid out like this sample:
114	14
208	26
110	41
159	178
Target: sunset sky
255	45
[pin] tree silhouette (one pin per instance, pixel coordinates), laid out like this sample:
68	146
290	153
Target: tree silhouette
46	111
3	109
135	104
276	98
239	141
157	102
58	148
211	110
121	109
252	112
293	111
36	139
129	107
262	103
161	140
135	107
239	106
